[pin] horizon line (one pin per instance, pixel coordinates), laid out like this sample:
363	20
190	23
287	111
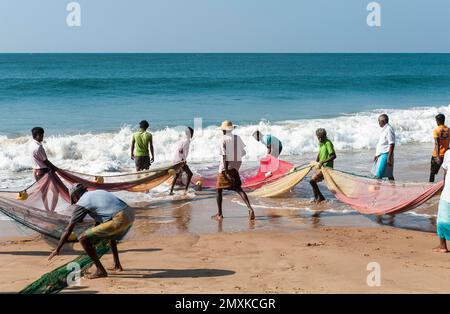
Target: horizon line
217	52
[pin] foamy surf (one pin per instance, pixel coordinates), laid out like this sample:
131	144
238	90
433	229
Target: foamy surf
110	152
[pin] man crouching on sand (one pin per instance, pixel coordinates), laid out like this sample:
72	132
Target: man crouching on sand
231	151
113	219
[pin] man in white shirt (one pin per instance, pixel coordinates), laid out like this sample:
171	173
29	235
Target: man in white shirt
231	152
181	155
41	165
384	156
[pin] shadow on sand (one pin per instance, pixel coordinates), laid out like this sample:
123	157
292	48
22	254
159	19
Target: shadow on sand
173	273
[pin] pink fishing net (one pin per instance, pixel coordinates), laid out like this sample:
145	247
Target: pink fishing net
270	169
372	196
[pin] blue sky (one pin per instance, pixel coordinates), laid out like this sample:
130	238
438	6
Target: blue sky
225	26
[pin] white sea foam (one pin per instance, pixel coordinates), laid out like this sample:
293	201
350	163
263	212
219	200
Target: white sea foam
110	152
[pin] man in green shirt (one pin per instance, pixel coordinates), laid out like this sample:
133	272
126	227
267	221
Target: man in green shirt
141	142
325	158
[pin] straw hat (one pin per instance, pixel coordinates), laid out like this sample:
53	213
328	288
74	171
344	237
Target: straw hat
227	126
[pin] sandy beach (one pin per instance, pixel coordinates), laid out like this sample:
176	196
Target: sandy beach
178	249
327	260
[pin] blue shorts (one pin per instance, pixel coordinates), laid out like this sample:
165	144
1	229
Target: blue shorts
381	169
443	220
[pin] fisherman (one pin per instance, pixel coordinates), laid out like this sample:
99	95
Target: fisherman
41	165
443	216
140	144
384	157
273	144
231	153
113	219
181	155
441	142
325	158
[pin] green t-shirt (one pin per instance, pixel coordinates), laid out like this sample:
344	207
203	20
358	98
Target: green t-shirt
325	150
141	139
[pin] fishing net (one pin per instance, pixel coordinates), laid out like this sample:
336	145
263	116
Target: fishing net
284	184
41	207
270	169
44	206
373	196
132	182
56	280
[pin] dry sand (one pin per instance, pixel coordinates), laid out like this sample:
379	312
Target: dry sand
330	259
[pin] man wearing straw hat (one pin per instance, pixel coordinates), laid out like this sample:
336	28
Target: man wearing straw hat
231	153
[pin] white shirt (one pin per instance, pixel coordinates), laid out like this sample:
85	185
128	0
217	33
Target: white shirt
445	195
182	150
387	137
38	155
232	147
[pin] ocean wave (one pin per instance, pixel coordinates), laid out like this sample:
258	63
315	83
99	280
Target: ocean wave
175	84
110	152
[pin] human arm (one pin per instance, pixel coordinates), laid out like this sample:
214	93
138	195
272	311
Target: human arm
223	153
78	215
436	149
150	143
226	170
41	155
50	165
65	235
132	148
391	141
330	158
390	160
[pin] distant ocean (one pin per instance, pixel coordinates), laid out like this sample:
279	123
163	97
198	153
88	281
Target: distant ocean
89	104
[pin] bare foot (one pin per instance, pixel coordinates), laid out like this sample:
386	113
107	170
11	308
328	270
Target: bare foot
171	193
217	217
319	200
97	274
440	250
116	268
251	215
